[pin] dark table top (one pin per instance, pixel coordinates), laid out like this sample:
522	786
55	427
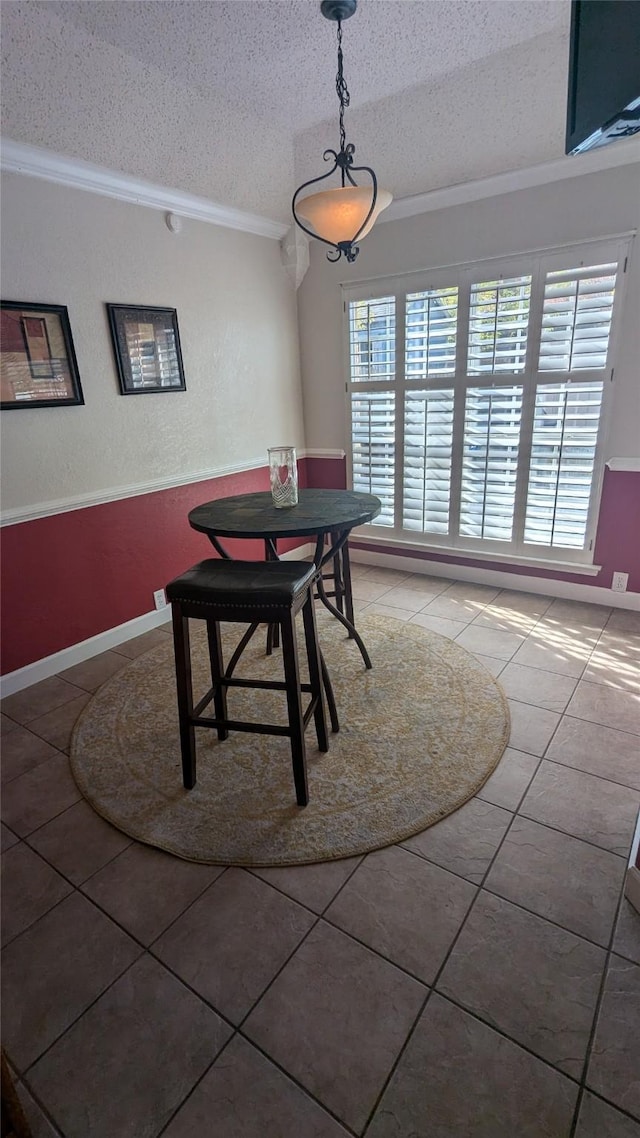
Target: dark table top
254	515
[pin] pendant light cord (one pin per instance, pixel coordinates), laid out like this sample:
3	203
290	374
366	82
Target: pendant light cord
342	90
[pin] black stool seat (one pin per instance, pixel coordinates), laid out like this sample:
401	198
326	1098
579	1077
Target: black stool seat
253	592
249	583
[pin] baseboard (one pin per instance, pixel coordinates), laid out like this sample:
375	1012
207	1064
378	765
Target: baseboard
548	586
77	653
632	887
632	879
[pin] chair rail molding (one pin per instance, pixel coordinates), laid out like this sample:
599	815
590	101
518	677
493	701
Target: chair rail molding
115	493
627	464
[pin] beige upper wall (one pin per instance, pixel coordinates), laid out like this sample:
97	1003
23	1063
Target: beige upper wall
591	206
237	321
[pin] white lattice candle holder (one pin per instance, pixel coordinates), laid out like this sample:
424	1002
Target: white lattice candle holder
283	472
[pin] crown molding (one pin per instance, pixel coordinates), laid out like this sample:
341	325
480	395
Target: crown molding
36	162
572	166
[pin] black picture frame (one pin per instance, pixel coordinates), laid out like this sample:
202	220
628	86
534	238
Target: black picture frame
146	345
38	366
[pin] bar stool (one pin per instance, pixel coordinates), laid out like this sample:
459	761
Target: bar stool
254	592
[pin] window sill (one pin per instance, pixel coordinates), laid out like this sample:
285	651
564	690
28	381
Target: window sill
551	564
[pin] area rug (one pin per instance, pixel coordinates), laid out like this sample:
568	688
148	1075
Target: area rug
419	735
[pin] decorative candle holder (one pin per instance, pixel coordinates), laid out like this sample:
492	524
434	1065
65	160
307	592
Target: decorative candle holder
283	472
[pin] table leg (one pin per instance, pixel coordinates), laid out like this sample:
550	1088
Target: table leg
273	631
321	558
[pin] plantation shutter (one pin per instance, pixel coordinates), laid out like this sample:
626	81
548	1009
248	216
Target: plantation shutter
477	400
431	323
428	447
498	326
373	448
576	320
565	433
574	341
490	462
372	331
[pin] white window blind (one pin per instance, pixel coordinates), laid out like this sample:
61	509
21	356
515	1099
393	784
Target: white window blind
490	455
373	448
576	320
428	449
477	396
498	325
565	434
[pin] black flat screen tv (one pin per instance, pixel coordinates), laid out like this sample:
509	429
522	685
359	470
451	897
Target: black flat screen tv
604	73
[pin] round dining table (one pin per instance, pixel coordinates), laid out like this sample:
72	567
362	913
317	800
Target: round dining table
329	516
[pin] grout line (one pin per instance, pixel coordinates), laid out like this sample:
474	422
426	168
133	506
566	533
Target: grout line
237	1028
437	977
55	1131
183	1101
581	770
596	1012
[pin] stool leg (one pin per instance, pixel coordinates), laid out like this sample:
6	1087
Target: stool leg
331	699
217	671
294	705
313	657
182	651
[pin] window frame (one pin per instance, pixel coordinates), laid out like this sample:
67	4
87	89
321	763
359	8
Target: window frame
536	263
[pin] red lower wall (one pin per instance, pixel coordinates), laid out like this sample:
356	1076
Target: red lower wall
71	576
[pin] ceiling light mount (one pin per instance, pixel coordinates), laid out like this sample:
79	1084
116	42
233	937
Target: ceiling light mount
340	217
338	9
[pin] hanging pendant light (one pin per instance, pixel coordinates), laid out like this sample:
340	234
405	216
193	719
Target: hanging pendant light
341	216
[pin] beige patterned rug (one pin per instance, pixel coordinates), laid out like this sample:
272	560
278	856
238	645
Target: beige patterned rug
419	735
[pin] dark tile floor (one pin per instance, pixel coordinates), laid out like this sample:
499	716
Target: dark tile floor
481	980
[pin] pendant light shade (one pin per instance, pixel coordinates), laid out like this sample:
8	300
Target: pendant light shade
336	215
343	215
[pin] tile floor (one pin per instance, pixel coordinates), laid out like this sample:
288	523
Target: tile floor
481	980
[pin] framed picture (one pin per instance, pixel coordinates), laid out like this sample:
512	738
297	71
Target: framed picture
146	343
38	365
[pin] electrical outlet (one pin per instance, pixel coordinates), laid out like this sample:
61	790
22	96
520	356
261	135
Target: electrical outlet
160	599
619	582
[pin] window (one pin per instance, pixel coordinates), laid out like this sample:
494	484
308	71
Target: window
477	396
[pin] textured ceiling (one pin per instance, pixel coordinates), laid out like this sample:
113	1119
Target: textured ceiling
218	98
279	56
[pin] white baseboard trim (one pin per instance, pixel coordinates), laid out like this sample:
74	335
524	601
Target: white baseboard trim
548	586
632	887
77	653
632	878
